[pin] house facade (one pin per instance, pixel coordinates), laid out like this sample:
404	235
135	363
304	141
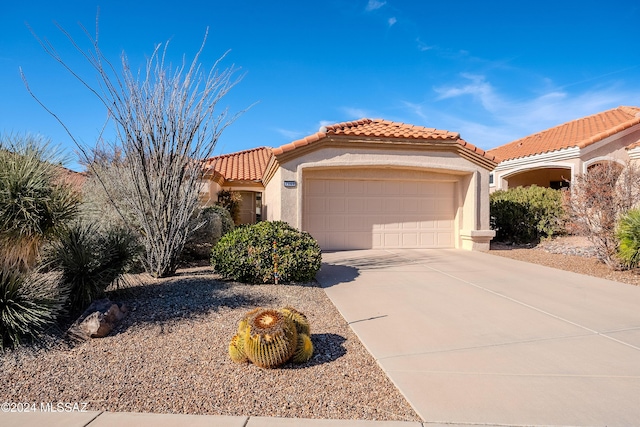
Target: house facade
554	157
365	184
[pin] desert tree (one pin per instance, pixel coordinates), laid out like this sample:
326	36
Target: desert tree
166	121
597	201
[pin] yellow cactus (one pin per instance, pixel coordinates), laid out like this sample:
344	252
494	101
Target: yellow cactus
270	338
304	349
298	318
236	349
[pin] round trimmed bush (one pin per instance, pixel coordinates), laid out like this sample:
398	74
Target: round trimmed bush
248	254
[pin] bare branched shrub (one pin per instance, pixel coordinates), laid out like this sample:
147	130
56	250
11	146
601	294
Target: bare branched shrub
597	201
105	193
166	121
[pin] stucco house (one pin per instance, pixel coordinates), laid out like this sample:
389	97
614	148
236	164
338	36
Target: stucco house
554	157
369	183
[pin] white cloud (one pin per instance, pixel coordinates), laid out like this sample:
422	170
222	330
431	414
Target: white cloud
392	21
494	118
374	4
422	46
323	123
416	109
354	113
290	134
477	87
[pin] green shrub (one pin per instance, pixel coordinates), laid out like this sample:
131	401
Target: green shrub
90	260
628	234
247	254
29	302
526	214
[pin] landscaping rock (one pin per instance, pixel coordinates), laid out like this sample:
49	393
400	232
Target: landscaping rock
97	321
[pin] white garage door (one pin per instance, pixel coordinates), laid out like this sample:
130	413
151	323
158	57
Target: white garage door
364	214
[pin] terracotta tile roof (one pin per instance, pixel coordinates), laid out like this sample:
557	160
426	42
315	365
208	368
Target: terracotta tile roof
247	165
73	178
634	145
378	128
577	133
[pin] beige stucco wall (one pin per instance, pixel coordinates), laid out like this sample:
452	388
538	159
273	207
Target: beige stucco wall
209	192
271	205
472	183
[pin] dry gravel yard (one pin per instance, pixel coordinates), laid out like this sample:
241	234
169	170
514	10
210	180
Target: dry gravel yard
170	356
566	253
170	353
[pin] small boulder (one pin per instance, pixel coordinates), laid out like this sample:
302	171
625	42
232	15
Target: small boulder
97	321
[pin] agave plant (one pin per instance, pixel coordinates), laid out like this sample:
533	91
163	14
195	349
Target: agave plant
269	338
29	302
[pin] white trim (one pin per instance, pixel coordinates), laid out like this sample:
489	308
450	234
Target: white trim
554	156
634	153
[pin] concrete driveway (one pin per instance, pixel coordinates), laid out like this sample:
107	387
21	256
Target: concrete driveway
470	337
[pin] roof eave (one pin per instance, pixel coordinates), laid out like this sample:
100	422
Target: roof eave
458	146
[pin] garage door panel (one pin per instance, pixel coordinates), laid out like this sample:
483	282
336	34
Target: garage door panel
410	240
355	214
336	223
356	205
391	240
316	204
336	204
316	187
363	224
444	239
410	205
356	187
428	240
373	188
335	187
373	205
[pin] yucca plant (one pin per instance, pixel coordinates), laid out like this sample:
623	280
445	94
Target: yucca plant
29	302
90	260
628	234
35	202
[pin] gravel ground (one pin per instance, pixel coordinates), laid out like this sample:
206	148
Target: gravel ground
566	253
170	356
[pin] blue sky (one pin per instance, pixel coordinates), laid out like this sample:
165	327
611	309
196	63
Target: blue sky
494	71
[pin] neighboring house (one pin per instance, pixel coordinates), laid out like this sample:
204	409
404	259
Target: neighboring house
73	178
554	157
366	184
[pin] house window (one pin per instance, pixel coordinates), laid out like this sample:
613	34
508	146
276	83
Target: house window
491	179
